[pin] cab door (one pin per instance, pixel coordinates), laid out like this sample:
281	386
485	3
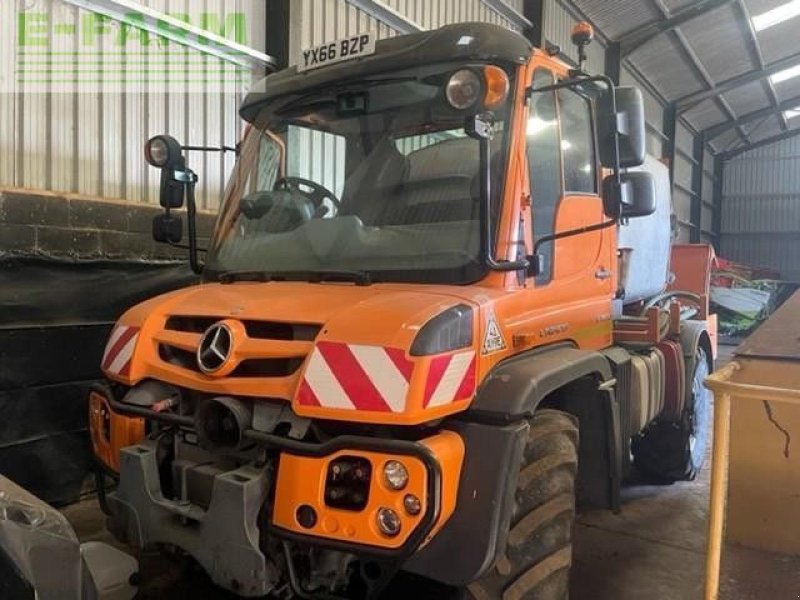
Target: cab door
564	178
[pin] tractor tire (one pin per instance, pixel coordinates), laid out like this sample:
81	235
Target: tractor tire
538	553
669	451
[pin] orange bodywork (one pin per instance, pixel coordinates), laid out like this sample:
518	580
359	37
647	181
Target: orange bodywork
110	432
301	482
575	306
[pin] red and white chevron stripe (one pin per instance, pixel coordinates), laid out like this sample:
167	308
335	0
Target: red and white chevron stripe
356	377
450	378
119	350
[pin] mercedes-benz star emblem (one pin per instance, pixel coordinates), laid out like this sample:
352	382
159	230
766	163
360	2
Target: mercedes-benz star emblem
215	348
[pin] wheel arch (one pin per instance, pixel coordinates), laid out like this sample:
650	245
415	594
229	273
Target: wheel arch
494	430
694	335
514	389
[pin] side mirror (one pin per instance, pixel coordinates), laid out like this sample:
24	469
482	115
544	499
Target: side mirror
634	195
167	229
629	121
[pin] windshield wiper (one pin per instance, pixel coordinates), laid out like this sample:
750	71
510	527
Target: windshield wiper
358	277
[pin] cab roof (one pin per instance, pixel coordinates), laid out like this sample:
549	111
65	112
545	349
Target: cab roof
462	42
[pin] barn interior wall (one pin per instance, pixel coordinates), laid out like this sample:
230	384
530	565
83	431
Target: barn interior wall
761	208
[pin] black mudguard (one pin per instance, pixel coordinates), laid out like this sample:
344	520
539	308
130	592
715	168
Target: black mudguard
494	431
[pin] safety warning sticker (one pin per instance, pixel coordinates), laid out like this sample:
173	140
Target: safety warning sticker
493	338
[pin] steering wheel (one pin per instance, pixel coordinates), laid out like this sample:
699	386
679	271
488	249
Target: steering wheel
317	193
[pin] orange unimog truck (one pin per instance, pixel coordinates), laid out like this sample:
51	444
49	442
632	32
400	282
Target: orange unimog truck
437	312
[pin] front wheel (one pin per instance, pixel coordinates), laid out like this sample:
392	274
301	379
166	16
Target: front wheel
538	552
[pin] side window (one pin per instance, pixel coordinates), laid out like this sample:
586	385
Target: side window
577	143
544	164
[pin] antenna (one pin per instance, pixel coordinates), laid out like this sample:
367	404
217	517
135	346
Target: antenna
582	36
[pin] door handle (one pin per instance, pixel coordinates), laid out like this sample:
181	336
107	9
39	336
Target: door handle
602	273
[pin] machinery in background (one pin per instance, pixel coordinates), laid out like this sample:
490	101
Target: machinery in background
440	309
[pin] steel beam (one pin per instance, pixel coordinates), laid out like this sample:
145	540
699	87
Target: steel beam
640	36
716	227
696	211
613	65
716	130
756	55
278	24
387	15
508	12
784	135
669	127
138	16
535	12
690	100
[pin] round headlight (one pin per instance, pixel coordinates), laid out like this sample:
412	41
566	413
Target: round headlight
156	152
162	151
464	89
389	522
396	475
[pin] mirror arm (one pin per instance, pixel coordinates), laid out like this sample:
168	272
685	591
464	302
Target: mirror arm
483	133
566	234
191	215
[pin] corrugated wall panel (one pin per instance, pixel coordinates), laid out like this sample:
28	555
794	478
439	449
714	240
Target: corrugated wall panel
63	111
682	194
654	113
8	99
761	208
88	139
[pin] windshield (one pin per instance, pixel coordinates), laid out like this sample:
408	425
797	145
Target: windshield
376	178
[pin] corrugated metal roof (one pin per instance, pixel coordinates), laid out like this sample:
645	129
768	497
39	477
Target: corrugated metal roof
674	5
617	17
705	115
725	141
661	62
767	128
718	44
748	98
721	42
788	89
776	41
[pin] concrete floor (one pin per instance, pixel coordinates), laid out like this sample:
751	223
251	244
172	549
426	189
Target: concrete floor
655	548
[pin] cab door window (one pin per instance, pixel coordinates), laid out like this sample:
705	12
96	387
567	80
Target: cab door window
577	143
544	163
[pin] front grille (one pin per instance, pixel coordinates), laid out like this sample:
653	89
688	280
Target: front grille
262	330
178	357
254	367
273	366
267	367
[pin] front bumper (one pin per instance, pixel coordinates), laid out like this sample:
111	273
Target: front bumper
226	537
434	465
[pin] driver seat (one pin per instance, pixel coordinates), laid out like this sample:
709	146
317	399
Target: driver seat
370	189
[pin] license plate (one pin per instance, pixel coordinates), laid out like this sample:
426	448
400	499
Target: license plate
338	51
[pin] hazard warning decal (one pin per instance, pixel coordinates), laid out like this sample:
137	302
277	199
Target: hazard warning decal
355	377
451	378
119	350
493	340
